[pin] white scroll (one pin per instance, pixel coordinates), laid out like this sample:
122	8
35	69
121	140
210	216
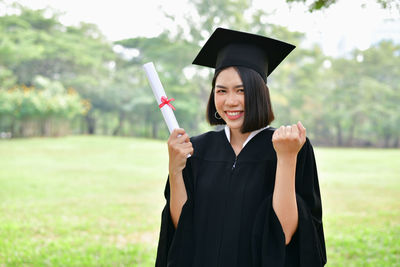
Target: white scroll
161	97
162	100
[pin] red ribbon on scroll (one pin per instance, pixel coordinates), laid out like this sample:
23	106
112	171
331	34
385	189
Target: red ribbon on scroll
166	101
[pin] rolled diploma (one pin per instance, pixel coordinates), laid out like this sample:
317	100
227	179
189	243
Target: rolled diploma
158	91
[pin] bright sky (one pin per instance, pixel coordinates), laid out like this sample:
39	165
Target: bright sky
339	29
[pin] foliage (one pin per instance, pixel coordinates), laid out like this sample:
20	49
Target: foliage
29	102
49	100
35	43
340	100
365	89
323	4
172	56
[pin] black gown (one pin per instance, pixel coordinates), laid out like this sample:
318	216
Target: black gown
228	219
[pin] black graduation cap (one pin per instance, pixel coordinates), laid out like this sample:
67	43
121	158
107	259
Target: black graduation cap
234	48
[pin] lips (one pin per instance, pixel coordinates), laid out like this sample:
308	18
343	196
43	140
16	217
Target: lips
234	115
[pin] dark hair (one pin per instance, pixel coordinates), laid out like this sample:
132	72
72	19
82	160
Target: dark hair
258	109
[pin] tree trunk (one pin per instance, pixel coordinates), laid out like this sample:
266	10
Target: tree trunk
45	127
339	134
154	132
91	123
121	119
396	142
12	127
147	125
103	120
132	127
386	140
351	135
28	128
82	124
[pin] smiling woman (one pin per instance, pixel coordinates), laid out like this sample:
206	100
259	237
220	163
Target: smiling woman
252	93
249	194
229	98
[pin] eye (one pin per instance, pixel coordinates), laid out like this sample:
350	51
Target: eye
220	91
241	90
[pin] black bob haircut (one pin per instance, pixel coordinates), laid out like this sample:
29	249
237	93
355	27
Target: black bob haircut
258	110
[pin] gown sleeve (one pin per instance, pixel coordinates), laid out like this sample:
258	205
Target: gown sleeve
307	246
175	247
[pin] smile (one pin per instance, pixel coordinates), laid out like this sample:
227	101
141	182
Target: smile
234	115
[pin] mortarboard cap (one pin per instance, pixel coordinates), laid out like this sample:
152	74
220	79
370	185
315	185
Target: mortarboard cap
227	48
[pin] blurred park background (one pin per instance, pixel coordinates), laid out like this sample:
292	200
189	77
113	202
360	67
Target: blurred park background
93	195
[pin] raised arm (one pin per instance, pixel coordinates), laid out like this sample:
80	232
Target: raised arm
287	141
179	146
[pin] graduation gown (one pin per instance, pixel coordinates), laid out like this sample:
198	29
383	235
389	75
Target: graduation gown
228	219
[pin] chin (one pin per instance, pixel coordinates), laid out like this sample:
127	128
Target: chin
235	126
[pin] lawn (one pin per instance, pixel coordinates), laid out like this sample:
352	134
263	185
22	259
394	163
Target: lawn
96	201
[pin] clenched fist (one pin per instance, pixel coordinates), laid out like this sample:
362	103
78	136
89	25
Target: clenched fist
179	146
288	140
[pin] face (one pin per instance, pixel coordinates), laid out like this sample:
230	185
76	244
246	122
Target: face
229	97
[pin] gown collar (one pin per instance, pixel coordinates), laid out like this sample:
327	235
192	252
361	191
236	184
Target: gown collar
251	135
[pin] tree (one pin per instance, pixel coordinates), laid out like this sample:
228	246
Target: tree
36	44
171	56
381	67
323	4
359	104
45	109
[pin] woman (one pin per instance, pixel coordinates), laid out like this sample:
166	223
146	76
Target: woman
249	194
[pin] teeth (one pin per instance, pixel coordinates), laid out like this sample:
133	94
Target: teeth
233	113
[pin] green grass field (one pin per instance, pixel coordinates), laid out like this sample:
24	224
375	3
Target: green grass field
96	201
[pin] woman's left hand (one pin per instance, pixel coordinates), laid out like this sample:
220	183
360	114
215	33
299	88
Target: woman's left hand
288	140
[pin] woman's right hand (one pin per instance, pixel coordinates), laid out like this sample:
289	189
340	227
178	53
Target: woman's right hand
179	146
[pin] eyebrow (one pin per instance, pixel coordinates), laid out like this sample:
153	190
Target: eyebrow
224	87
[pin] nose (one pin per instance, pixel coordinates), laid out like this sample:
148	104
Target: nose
232	100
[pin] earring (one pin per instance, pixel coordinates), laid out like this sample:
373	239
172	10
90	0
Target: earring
217	117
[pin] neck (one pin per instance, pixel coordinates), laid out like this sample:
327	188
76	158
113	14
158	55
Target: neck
237	137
